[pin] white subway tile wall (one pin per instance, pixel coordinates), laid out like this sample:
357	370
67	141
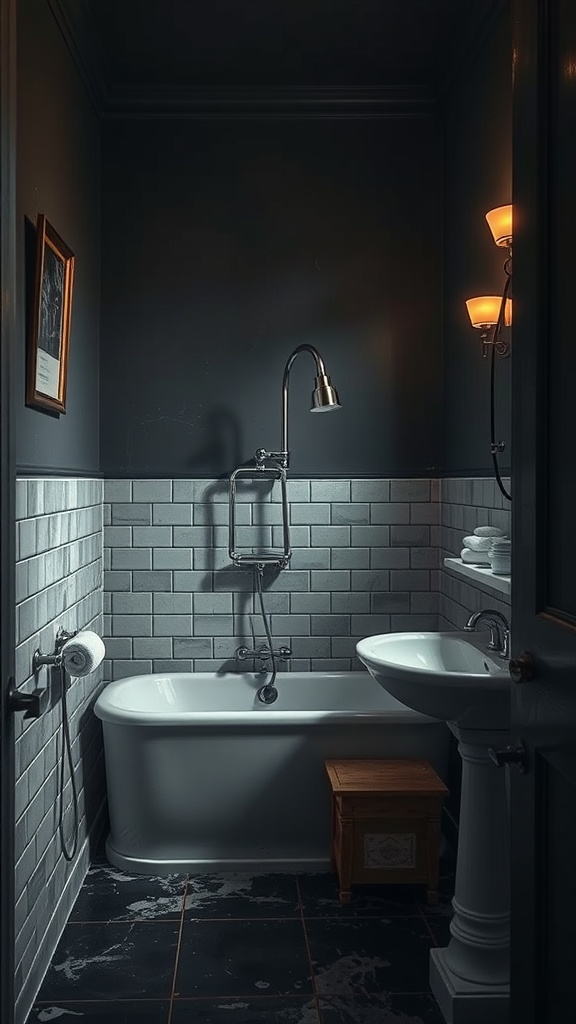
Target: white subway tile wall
145	564
365	553
59	575
468	502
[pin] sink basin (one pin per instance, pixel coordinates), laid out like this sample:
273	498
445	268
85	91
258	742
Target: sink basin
441	674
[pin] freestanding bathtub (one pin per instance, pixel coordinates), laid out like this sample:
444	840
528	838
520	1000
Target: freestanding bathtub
203	777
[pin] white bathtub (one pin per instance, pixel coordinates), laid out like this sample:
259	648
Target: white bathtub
203	777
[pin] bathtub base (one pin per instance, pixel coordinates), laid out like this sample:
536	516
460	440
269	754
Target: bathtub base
250	866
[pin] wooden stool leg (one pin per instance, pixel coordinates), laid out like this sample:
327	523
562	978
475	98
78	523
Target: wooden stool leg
333	864
433	866
345	866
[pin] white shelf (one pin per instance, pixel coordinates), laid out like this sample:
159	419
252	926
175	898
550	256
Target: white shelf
481	574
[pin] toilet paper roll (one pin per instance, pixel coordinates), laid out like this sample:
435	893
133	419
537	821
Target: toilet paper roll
83	653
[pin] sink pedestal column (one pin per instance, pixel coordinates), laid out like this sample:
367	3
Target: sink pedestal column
470	977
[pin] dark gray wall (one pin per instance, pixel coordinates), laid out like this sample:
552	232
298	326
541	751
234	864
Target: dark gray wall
478	166
226	244
59	176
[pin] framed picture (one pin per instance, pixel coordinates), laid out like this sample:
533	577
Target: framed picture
49	335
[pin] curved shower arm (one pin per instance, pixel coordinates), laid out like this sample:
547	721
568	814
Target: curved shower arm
320	371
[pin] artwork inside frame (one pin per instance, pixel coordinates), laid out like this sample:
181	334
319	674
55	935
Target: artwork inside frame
49	335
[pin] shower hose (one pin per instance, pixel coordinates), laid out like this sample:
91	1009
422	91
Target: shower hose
267	693
66	755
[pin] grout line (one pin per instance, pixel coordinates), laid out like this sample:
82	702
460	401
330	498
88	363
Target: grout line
426	922
129	920
252	996
97	1002
229	920
362	917
255	996
312	975
178	947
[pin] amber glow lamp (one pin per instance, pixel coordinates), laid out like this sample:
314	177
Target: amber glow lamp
484	312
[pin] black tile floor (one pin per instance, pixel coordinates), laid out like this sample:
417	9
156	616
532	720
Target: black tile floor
241	949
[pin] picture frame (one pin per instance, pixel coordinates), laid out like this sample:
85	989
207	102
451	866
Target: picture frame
49	333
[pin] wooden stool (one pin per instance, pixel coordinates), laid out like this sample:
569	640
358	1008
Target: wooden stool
385	822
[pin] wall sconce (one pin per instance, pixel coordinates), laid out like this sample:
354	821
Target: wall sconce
489	312
500	224
484	312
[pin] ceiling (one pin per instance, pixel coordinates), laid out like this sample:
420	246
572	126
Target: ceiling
166	52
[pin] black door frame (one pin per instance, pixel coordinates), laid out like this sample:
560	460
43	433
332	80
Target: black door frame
7	496
543	710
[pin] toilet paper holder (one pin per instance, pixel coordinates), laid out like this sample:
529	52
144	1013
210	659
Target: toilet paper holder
36	703
62	637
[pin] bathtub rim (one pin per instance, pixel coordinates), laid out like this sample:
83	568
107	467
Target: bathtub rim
258	715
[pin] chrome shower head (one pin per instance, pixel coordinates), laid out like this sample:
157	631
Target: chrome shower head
324	399
325	396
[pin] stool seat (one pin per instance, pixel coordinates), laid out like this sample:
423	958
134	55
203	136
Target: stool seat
385	822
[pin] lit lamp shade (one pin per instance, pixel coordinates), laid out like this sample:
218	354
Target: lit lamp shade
500	224
483	311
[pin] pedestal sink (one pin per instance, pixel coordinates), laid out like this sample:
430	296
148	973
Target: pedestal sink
447	676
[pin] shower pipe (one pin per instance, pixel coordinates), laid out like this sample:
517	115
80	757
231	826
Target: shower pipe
324	399
268	693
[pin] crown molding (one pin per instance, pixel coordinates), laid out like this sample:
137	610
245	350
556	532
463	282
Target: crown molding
277	103
114	100
81	37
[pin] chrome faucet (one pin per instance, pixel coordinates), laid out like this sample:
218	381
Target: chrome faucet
499	630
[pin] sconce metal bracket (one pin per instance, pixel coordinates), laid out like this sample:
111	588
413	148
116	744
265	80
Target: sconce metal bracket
501	347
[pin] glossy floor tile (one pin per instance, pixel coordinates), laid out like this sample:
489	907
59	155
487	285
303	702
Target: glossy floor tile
319	898
143	1011
112	895
381	1008
262	949
242	896
113	961
357	956
243	958
246	1011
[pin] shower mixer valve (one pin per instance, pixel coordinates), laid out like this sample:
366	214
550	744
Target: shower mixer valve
263	653
261	457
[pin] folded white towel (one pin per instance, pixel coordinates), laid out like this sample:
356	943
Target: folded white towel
474	557
478	543
488	531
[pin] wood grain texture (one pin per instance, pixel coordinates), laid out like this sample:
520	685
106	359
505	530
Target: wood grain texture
385	822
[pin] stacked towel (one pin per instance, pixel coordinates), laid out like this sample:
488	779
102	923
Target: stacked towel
477	547
474	557
478	543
